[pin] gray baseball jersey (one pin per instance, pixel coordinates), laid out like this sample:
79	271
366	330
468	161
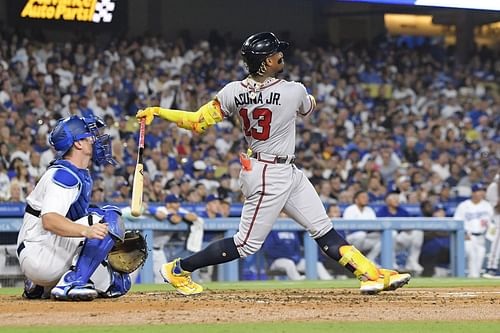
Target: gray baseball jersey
268	118
273	183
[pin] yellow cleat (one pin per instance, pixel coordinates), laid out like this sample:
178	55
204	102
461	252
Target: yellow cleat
373	280
388	280
179	279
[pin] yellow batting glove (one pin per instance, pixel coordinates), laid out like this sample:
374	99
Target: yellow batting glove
149	113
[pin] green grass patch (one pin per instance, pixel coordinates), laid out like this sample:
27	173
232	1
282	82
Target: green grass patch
288	327
274	284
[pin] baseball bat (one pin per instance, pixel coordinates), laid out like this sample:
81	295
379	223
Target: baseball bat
138	186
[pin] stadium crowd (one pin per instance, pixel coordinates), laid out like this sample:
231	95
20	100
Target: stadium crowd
390	117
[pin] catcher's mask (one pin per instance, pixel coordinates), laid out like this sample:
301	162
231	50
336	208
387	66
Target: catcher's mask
74	128
258	47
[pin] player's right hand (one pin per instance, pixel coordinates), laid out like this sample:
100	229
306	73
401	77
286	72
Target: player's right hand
149	113
96	231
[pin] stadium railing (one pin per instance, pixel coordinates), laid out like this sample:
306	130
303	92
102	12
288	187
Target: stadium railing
230	271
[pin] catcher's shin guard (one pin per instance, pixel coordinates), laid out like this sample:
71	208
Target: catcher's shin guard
74	284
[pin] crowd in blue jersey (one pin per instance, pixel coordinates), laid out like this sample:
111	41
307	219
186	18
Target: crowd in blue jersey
389	117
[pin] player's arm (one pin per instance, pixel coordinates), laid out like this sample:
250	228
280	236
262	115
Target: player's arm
161	213
187	216
460	216
63	227
307	102
459	213
206	116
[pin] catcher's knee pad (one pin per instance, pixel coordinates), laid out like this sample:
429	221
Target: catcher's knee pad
112	216
120	285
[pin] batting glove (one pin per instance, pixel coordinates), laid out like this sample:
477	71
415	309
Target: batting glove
148	113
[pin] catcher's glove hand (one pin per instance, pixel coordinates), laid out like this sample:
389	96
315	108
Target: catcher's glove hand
129	255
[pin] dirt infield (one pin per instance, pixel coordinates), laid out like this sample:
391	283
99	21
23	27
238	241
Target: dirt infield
259	306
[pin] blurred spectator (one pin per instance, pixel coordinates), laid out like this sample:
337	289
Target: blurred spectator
109	180
208	179
393	116
157	193
368	242
282	250
387	161
97	195
403	186
35	170
172	187
225	208
212	210
4	153
212	207
333	211
16	193
435	254
441	166
201	190
4	182
410	241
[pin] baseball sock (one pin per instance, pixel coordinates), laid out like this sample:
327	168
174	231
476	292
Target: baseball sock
331	243
218	252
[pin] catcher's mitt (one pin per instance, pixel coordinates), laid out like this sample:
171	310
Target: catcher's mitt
129	255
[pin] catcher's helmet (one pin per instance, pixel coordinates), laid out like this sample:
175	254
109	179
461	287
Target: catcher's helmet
258	47
74	128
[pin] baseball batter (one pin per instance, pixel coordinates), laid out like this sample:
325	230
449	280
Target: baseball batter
267	108
477	215
62	242
493	197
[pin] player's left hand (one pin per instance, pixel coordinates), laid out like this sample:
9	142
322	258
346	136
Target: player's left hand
149	113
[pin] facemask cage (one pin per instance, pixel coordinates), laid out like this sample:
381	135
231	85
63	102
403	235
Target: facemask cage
102	153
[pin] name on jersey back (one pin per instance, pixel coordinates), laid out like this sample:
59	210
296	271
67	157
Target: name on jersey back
244	99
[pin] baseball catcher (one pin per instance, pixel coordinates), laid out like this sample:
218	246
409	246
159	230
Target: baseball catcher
64	243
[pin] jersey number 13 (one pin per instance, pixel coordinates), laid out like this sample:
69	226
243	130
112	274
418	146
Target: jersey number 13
264	117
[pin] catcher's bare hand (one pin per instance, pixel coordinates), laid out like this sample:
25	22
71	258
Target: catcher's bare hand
96	231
